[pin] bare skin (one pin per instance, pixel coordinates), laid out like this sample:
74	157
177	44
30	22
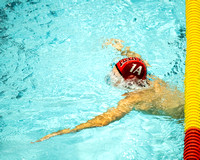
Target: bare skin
117	44
157	99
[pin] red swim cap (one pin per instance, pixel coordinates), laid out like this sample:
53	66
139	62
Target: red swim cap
132	67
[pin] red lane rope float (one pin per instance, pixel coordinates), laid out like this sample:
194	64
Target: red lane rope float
192	144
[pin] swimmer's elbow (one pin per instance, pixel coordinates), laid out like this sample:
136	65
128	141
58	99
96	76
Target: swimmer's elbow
108	117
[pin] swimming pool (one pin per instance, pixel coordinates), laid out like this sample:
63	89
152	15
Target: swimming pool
52	77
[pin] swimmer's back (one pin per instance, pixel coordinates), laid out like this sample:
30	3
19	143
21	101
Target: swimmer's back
158	99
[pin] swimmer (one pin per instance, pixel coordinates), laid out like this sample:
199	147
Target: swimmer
152	96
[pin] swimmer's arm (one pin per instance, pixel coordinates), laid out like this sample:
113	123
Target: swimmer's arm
112	114
60	132
106	118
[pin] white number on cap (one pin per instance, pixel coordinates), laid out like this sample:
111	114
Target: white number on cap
134	65
139	69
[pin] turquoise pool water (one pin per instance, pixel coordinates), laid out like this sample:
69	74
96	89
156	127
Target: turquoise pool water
52	70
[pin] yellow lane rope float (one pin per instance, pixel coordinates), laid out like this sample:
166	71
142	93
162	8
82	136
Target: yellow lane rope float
192	82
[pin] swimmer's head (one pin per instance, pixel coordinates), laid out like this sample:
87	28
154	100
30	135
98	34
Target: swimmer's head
129	72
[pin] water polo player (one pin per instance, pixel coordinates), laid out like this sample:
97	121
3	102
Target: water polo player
153	97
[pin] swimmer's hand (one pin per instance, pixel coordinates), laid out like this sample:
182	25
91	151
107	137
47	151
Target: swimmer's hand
115	43
64	131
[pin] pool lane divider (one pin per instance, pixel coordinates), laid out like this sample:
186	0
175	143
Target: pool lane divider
192	82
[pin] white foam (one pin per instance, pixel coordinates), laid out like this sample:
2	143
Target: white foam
119	82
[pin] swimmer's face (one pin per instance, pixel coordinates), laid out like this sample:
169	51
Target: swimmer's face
115	77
